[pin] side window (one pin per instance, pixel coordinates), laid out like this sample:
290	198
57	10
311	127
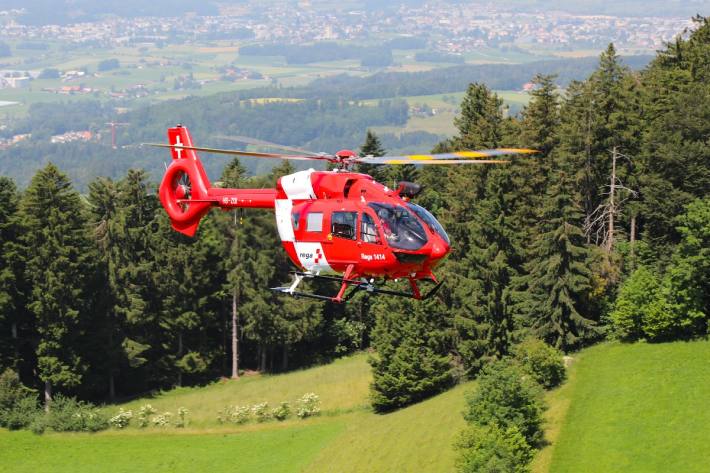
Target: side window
314	222
295	219
368	230
343	224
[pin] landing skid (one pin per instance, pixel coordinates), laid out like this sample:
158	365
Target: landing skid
350	287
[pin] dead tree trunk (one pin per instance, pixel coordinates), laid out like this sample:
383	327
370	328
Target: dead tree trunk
612	204
235	339
47	395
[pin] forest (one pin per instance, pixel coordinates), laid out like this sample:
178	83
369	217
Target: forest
603	235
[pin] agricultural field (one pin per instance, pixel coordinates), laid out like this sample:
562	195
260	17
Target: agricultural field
150	73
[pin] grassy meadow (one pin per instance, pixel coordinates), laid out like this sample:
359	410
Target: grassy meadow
630	408
633	408
346	437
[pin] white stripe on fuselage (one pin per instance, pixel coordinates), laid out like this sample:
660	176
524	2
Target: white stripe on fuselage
284	223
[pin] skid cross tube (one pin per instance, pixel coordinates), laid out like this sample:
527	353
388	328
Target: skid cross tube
355	286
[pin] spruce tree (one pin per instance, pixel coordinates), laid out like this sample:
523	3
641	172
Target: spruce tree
557	279
233	228
10	274
483	278
188	280
373	147
58	262
412	343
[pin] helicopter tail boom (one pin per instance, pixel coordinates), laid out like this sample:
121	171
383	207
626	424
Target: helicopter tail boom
187	194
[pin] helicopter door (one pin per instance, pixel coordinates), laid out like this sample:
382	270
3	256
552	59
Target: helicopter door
372	251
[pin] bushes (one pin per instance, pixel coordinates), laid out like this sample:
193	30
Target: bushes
121	420
504	415
507	398
18	404
491	449
69	415
22	414
307	406
541	361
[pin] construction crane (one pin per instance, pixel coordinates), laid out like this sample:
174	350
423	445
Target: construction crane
113	126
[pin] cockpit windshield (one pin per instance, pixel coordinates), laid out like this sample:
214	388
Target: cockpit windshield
401	229
430	221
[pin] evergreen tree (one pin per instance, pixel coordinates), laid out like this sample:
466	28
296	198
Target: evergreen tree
483	305
373	147
675	163
58	262
233	228
10	274
188	280
557	279
412	343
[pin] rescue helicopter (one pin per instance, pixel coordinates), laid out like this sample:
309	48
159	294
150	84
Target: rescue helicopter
335	225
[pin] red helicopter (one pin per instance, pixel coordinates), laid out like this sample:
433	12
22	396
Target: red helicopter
335	225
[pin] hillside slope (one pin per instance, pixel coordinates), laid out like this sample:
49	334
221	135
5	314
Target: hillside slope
634	408
347	437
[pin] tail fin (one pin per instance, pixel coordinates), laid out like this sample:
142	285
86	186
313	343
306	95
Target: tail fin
184	190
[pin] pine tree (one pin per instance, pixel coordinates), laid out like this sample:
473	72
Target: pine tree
233	228
557	279
123	216
58	262
188	280
412	346
675	158
10	275
483	305
373	147
538	130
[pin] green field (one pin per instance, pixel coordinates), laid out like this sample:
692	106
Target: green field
633	408
347	437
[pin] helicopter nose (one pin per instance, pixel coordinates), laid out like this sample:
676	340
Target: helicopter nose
439	249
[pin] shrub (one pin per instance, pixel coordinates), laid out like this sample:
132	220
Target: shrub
18	404
162	420
506	397
308	405
632	305
21	415
234	414
261	411
121	420
492	450
281	412
541	361
144	414
181	420
38	425
66	414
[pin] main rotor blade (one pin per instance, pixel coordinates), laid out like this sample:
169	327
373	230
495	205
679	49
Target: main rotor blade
446	158
369	160
257	142
253	154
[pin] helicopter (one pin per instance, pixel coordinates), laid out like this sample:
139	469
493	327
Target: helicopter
337	225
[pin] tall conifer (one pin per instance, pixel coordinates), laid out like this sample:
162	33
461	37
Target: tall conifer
56	237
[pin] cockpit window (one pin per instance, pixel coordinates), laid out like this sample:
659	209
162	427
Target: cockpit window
430	221
400	227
